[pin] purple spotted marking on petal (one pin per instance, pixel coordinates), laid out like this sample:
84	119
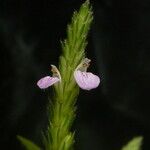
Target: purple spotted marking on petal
47	81
86	80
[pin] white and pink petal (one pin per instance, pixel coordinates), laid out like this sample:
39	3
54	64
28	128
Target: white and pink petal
47	81
86	80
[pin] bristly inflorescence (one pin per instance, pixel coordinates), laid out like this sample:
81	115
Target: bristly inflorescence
71	74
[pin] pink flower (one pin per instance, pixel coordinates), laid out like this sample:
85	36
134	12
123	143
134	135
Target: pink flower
47	81
86	80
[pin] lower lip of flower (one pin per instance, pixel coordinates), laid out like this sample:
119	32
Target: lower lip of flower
47	81
86	80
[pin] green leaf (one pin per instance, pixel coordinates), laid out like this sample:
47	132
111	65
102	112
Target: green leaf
134	144
29	145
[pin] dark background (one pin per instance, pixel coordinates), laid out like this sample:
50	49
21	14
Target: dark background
119	42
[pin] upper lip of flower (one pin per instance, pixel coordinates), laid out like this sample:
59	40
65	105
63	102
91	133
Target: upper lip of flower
55	72
83	65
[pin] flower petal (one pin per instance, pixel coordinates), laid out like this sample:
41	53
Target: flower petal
47	81
86	80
